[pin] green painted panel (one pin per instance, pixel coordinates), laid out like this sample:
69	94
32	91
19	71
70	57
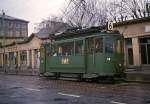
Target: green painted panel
104	64
42	60
67	64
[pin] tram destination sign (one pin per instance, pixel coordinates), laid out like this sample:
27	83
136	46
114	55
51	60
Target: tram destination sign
110	25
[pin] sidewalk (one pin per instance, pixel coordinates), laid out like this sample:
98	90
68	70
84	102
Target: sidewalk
139	75
20	71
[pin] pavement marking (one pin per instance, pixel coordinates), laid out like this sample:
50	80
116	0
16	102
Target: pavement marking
103	87
77	96
13	96
32	89
114	102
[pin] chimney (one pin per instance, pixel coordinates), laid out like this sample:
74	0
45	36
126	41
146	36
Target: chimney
3	13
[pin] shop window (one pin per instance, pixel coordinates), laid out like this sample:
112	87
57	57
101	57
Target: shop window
23	55
129	51
145	40
145	50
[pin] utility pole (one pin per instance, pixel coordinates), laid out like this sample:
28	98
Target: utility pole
4	39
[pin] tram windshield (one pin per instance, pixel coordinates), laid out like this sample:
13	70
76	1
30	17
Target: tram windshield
101	45
119	46
109	45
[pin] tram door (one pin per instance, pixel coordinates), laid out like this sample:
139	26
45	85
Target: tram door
145	50
90	54
130	56
95	54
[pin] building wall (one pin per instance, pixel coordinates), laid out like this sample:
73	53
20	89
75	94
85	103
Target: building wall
9	40
12	30
24	56
9	28
134	32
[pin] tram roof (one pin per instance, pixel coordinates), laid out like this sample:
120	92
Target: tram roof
80	32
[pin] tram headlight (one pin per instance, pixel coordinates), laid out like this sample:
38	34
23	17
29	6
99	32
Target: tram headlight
108	58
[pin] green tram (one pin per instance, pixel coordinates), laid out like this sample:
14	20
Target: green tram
84	54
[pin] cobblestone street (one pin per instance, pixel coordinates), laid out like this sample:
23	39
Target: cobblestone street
39	90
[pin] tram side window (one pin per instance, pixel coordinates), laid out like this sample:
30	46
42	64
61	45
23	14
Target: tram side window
66	49
49	51
59	50
99	45
90	45
79	47
109	45
54	50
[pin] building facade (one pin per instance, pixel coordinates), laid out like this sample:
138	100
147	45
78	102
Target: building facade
137	41
12	29
136	48
22	57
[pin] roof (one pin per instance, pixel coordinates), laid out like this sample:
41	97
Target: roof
11	37
6	17
127	22
132	21
26	40
80	32
43	33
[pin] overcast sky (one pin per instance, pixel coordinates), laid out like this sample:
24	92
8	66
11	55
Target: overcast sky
32	10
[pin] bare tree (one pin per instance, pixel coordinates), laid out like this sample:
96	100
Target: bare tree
95	12
85	13
121	10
